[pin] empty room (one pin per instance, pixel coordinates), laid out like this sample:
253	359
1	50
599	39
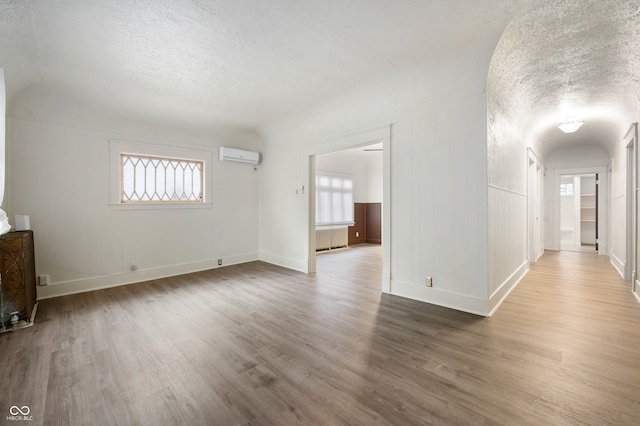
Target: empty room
320	213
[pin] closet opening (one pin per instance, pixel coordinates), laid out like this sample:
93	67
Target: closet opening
579	213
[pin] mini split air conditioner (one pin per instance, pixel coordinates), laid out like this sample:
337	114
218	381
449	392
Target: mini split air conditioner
238	155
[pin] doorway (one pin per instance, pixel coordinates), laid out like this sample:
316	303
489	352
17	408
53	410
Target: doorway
579	214
364	145
349	198
580	210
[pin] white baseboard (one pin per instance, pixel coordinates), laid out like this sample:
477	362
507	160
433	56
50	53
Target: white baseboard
617	263
435	296
285	262
506	287
107	281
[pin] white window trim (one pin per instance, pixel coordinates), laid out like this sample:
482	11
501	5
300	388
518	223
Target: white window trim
118	147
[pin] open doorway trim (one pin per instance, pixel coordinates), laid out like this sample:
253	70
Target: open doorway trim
535	202
633	186
378	135
603	232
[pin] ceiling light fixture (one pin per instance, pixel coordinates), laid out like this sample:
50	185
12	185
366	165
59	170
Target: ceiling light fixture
570	126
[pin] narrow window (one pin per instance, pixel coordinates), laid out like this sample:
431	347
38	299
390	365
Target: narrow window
146	179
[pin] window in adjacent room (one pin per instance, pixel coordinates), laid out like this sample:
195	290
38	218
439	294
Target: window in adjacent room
334	199
148	179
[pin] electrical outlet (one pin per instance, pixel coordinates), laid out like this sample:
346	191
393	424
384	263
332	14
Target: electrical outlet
429	282
357	234
43	280
132	266
219	262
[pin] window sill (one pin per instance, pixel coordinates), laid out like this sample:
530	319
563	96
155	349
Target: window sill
159	206
334	225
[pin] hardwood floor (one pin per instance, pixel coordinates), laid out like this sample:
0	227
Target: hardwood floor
259	345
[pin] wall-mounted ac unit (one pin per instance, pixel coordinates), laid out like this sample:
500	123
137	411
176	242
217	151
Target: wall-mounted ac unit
238	155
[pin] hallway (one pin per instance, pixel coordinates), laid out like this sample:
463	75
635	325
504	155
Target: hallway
573	311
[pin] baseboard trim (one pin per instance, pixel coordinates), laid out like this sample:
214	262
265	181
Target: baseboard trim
617	264
501	294
285	262
434	296
66	288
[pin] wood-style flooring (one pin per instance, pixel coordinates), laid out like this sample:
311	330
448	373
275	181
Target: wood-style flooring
256	344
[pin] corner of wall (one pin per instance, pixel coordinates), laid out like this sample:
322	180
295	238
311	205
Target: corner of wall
507	287
447	299
285	262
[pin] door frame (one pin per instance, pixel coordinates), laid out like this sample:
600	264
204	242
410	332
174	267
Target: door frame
383	135
603	232
632	184
534	205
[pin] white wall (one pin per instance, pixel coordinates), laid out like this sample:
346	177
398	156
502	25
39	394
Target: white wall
507	216
58	161
618	250
507	242
375	176
438	177
507	166
439	204
577	157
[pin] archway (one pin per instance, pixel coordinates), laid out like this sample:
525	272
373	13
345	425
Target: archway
555	62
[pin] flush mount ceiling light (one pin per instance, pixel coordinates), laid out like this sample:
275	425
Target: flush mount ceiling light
570	126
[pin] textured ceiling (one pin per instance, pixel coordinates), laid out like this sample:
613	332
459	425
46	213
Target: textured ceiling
202	63
243	62
567	59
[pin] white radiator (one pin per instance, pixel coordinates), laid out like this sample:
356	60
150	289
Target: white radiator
331	237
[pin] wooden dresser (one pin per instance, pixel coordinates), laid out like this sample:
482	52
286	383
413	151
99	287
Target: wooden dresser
18	275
